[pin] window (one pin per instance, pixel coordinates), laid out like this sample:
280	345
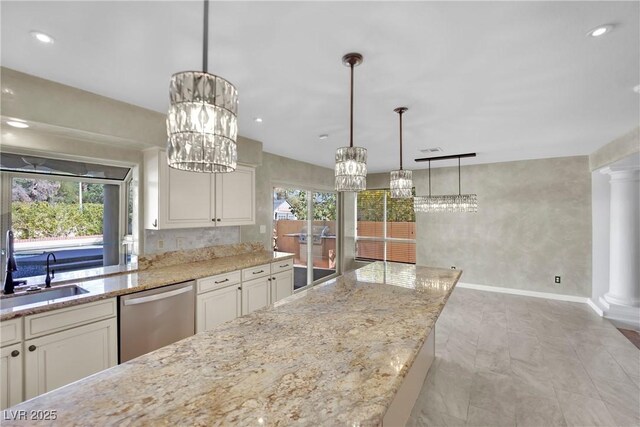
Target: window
305	225
84	213
76	220
385	228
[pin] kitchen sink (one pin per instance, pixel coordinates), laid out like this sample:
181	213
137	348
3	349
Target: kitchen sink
42	295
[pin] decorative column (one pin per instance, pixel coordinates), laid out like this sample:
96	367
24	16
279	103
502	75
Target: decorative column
622	302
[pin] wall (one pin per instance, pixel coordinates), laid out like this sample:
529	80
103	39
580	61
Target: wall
600	196
278	170
533	223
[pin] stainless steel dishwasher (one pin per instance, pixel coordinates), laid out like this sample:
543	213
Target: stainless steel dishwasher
155	318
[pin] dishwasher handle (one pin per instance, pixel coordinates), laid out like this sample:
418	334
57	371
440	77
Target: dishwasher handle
157	297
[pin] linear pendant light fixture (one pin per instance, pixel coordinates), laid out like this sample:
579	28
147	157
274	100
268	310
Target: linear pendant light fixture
351	162
401	182
446	203
202	124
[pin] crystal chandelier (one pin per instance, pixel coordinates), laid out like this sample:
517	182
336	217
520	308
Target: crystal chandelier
446	203
401	182
351	162
202	125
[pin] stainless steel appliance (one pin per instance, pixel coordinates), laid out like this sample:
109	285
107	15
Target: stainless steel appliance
155	318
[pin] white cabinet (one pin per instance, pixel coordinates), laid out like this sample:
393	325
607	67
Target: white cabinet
218	306
52	361
281	285
180	199
10	375
255	294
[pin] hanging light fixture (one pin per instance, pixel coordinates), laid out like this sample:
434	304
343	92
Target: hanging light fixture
351	162
202	125
401	182
446	203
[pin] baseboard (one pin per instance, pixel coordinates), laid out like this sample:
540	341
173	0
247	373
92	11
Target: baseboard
595	307
523	292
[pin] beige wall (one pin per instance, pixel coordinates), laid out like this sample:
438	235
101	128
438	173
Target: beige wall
278	170
533	223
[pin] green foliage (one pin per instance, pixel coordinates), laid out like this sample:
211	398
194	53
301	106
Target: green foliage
370	207
32	220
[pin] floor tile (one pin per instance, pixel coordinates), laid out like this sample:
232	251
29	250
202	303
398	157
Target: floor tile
493	392
536	411
480	417
570	376
621	394
496	361
581	411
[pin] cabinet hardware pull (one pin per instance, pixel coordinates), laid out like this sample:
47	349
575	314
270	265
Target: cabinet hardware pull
283	266
15	353
218	219
269	279
273	278
239	289
155	223
213	219
221	281
258	272
32	348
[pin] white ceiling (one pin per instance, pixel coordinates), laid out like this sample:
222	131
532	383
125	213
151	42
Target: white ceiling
509	80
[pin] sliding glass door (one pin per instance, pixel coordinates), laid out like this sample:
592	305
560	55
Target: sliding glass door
305	224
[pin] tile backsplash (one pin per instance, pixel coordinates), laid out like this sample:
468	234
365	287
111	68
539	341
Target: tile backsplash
157	241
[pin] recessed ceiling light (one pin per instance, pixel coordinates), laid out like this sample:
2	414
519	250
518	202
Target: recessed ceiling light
42	37
636	89
17	124
7	91
258	119
323	136
600	31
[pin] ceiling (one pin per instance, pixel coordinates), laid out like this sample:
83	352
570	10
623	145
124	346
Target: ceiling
508	80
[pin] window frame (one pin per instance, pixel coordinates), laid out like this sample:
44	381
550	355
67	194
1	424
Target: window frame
6	182
384	239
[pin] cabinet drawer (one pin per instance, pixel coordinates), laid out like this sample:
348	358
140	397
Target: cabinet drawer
10	332
279	266
255	272
65	318
221	280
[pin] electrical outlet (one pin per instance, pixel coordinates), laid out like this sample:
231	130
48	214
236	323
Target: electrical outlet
180	242
557	279
263	229
160	244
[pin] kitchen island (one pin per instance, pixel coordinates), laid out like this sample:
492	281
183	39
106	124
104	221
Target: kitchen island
335	355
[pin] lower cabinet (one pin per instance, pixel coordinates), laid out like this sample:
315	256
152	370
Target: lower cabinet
218	306
11	375
281	285
255	294
58	359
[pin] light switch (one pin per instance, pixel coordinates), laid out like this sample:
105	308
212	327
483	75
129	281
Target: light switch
263	229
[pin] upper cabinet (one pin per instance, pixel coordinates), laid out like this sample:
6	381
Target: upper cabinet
179	199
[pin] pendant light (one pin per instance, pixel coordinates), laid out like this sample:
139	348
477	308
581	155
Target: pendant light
202	124
401	182
351	162
446	203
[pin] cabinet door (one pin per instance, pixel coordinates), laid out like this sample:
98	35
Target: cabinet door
188	198
235	197
255	294
281	285
58	359
216	307
11	376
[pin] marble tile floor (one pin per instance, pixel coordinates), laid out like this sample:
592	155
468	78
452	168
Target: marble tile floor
506	360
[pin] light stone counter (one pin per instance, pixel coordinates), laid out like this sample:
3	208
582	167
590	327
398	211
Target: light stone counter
158	273
336	355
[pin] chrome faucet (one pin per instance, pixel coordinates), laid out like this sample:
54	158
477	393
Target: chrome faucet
47	281
11	265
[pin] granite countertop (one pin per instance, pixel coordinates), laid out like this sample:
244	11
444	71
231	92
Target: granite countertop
152	277
335	355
